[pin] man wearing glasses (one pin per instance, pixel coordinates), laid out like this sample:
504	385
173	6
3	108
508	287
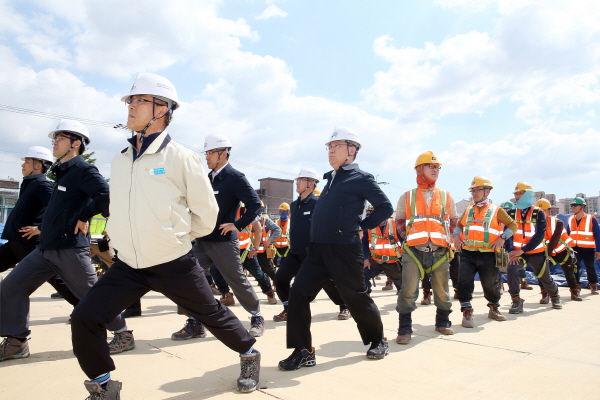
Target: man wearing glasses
335	252
161	201
480	233
425	216
80	193
585	232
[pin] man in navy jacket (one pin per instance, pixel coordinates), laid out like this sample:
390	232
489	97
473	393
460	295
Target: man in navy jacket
335	252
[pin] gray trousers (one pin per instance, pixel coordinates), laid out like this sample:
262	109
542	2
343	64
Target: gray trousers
536	261
73	266
226	257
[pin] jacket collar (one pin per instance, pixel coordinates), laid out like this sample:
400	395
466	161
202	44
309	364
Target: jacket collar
34	176
225	171
157	144
308	198
68	164
346	167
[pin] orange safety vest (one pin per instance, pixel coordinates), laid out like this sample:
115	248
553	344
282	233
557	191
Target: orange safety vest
481	227
265	235
383	247
283	240
564	241
526	229
244	234
582	233
425	223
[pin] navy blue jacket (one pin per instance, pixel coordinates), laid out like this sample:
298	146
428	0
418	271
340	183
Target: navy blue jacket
80	193
231	187
337	215
34	196
301	212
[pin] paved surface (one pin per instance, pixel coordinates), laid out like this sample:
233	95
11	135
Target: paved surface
541	354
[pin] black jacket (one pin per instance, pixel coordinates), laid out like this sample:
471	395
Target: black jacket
80	193
231	187
34	196
337	215
301	212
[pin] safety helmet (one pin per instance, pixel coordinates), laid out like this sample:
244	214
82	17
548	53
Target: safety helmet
317	192
522	186
427	158
308	173
39	153
284	206
578	201
544	204
480	181
155	86
507	205
345	134
216	141
71	126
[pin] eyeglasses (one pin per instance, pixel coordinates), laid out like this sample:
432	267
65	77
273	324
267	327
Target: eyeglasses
58	138
433	166
576	205
473	191
211	152
335	146
302	180
136	101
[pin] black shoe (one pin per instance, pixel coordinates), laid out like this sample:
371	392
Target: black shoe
56	296
250	364
282	316
378	350
257	326
129	313
192	329
299	358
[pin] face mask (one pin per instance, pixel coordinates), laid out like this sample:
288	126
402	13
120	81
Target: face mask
526	200
284	215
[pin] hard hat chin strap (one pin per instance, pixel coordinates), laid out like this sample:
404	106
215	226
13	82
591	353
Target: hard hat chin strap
143	131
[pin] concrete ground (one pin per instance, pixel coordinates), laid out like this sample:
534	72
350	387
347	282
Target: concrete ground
541	354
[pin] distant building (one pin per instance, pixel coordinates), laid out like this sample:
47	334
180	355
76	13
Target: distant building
273	192
592	207
9	193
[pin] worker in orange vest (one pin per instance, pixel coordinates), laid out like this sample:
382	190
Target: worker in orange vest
479	235
585	232
527	247
270	232
282	243
426	216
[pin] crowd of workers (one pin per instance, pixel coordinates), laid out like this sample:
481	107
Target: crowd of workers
191	236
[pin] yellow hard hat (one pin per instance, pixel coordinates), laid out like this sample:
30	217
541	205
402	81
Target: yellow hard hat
427	158
284	206
544	204
522	186
317	192
481	181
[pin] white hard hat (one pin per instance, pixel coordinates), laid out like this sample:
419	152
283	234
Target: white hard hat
345	134
39	153
155	86
69	125
216	142
308	173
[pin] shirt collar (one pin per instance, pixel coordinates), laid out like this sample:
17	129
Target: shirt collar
215	173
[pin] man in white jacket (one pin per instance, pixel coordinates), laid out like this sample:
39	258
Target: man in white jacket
161	200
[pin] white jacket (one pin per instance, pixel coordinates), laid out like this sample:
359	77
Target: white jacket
159	203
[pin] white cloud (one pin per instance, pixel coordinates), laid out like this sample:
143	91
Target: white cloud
271	12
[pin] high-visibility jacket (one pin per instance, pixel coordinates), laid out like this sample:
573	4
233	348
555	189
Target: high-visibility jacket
384	243
243	235
481	227
284	239
582	233
427	222
526	229
565	240
265	234
97	226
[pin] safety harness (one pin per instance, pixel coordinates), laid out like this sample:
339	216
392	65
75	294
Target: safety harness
391	237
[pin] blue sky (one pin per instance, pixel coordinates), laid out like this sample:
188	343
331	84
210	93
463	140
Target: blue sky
503	88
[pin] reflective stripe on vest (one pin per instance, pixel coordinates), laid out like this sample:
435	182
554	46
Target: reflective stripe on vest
427	222
381	245
481	227
526	230
283	240
582	232
565	240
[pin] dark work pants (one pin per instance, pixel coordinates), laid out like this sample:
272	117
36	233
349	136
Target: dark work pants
567	267
251	264
181	280
343	263
588	256
14	251
536	261
266	264
392	271
483	262
454	267
289	269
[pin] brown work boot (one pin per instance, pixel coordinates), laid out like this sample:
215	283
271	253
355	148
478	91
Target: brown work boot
545	297
214	290
12	348
594	288
444	330
426	297
575	294
525	285
122	341
495	313
389	285
227	299
403	339
271	297
467	321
